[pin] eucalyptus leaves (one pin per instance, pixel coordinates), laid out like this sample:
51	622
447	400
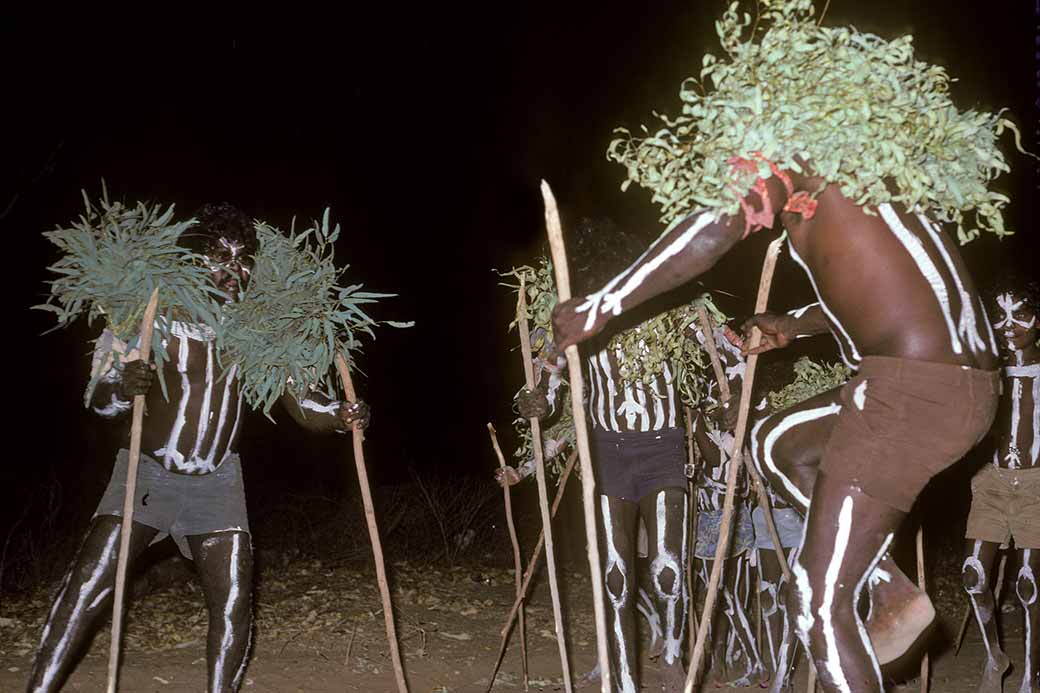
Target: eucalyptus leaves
113	257
642	353
285	332
859	109
810	379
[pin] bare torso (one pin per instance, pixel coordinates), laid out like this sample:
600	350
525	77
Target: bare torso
891	285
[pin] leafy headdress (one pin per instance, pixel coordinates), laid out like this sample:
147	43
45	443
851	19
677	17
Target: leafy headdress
860	110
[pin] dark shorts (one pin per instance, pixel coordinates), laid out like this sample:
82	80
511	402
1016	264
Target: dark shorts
180	505
902	422
635	464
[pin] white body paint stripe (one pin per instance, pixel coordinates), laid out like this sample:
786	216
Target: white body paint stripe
61	648
1012	458
799	312
614	561
169	452
832	657
605	300
853	359
925	266
859	395
967	326
229	607
868	574
204	414
787	423
310	404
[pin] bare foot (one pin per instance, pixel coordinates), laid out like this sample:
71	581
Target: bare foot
896	628
993	673
899	612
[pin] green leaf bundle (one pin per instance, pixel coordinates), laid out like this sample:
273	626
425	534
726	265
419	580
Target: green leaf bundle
113	258
810	379
295	316
861	111
642	353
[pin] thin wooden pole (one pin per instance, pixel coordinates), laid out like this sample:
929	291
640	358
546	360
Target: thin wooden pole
691	541
764	285
811	684
921	584
543	494
517	565
588	482
373	530
707	327
537	553
145	349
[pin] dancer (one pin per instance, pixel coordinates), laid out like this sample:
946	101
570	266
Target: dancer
860	213
1005	504
639	454
735	651
190	480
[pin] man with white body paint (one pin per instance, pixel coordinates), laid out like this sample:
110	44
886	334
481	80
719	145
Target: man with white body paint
925	393
1006	492
735	650
189	481
639	457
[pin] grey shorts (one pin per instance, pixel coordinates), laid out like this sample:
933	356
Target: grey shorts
709	522
180	505
789	526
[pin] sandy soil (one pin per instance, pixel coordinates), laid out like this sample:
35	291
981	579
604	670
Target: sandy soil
319	628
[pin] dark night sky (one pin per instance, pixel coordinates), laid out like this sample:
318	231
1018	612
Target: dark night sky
426	132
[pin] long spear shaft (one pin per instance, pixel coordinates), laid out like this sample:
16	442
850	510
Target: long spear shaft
373	529
563	290
517	565
765	283
145	349
691	541
763	499
537	553
543	494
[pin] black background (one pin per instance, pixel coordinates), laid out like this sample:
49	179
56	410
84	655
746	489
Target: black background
426	131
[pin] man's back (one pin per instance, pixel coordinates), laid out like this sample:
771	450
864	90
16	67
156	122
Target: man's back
892	284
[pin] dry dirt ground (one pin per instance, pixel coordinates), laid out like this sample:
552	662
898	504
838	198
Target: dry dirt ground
320	628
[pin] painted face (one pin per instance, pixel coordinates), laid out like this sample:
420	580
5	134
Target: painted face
1015	322
229	267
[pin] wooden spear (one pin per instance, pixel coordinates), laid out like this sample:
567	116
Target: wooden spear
373	529
921	584
707	327
537	553
765	283
145	350
543	494
691	455
588	482
517	565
